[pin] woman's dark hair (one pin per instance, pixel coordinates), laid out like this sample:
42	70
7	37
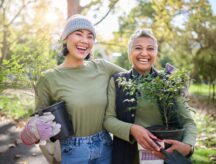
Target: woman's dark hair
65	52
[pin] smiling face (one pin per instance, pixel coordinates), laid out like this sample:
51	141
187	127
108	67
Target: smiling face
143	54
79	44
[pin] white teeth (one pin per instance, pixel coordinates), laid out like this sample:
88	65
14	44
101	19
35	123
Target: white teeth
83	48
143	60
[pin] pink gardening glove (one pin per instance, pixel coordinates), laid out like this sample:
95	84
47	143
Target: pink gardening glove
39	128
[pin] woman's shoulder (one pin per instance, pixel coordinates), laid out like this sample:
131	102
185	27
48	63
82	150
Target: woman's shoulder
99	63
47	74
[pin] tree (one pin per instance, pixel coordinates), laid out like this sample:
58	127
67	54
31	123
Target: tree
202	27
29	47
74	7
7	21
188	43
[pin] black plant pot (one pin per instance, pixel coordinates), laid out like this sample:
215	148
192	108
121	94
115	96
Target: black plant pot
61	116
170	133
163	133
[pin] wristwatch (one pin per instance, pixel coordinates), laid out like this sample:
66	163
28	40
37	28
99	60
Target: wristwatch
191	152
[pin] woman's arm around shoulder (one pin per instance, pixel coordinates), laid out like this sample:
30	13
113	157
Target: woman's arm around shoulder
111	122
110	68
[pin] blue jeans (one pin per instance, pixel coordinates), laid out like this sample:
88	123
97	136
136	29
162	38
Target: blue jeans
93	149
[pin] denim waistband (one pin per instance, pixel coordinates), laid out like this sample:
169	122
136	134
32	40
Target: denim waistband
78	140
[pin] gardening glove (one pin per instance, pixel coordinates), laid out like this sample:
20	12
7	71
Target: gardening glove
40	128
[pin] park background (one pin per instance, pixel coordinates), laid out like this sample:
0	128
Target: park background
29	44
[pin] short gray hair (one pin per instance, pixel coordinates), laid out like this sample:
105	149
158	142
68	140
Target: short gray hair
141	33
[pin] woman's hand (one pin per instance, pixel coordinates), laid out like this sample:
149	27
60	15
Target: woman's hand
40	128
144	137
181	147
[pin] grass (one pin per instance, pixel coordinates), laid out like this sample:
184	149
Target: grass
204	156
200	89
205	150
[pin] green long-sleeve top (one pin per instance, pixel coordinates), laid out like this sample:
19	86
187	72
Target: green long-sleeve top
84	89
147	115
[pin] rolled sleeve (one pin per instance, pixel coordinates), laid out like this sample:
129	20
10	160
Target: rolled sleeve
188	123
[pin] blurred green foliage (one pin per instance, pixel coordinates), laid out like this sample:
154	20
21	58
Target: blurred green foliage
123	61
185	30
26	47
205	150
16	107
199	89
25	65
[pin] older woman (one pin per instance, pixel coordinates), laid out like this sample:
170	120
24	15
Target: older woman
126	124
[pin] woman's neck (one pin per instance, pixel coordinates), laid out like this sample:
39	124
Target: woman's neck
72	62
143	73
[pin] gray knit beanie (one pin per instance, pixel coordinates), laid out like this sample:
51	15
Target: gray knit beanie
77	22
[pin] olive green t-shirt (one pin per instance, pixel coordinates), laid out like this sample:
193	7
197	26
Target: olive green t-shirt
84	90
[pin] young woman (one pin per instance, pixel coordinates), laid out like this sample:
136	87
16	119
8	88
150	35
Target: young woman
83	86
127	125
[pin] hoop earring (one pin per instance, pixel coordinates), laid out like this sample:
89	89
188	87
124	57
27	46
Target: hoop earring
88	57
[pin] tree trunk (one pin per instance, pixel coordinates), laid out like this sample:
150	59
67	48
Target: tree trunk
213	93
73	7
5	47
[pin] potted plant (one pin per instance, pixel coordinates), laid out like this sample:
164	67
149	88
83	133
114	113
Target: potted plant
164	88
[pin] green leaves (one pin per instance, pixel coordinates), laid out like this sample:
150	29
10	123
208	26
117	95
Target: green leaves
164	88
26	62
